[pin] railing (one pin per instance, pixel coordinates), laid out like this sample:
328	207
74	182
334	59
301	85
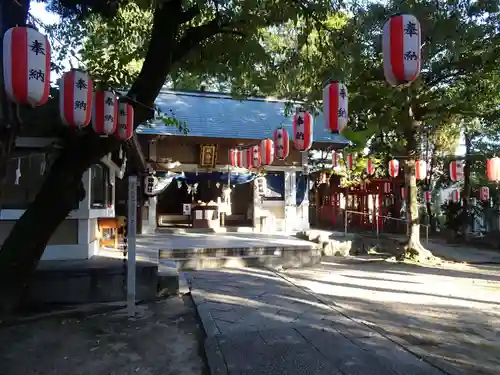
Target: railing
376	217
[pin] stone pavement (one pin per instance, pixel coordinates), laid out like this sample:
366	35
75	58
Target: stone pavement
449	315
259	323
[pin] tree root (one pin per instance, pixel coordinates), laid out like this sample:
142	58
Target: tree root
414	251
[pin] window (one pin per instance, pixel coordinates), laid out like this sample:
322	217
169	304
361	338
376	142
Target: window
101	191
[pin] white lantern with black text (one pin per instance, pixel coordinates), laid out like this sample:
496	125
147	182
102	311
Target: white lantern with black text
75	98
420	170
125	128
370	167
267	151
281	143
26	65
401	43
105	112
484	193
302	130
335	106
393	168
457	170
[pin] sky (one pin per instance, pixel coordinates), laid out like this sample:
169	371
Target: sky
38	11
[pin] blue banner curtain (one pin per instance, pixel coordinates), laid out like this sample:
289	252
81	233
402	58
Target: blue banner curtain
301	187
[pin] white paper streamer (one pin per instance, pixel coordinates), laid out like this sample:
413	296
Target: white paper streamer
18	172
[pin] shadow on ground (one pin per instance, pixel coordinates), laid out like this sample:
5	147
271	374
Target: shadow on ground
447	317
164	339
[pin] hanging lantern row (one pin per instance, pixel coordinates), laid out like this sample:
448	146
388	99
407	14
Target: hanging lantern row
401	43
26	73
253	156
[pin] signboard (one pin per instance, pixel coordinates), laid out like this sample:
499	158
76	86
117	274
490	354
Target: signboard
186	209
131	243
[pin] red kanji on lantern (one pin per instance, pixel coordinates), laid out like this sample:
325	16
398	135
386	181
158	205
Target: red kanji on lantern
233	157
455	196
125	128
401	45
26	65
255	159
427	196
403	193
281	143
484	193
370	167
387	187
335	111
349	162
267	151
75	98
493	169
335	159
302	130
105	112
393	168
420	169
457	170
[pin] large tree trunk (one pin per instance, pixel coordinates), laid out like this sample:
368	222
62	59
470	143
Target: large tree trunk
62	189
413	248
465	216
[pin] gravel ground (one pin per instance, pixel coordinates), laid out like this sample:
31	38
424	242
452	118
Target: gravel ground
163	339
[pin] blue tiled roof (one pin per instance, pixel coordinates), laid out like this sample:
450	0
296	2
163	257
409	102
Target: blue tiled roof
220	116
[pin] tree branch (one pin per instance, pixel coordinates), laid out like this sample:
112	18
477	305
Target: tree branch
189	14
195	35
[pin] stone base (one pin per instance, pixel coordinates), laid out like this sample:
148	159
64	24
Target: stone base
351	244
89	281
196	258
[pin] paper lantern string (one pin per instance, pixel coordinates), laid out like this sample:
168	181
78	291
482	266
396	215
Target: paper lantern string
18	172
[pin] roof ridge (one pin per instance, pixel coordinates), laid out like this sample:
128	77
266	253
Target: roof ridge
219	95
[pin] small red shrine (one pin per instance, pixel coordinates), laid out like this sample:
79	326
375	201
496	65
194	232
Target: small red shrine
371	204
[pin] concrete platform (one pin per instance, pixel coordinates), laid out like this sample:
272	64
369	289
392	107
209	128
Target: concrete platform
98	279
188	251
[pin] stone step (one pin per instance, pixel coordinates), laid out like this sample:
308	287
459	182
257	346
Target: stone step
232	251
287	258
177	230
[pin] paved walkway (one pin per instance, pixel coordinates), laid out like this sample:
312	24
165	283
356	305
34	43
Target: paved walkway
259	323
449	315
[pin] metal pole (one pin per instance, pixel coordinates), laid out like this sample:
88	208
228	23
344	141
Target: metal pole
345	222
427	234
131	244
376	220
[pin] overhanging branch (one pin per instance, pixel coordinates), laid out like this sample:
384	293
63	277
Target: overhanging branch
195	35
